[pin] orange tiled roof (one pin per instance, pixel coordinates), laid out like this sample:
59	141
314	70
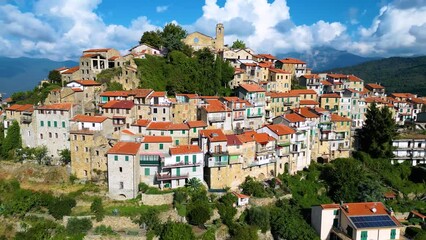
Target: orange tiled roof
196	124
374	99
92	119
157	139
261	138
336	75
115	94
292	61
122	104
403	95
233	140
126	148
331	205
57	106
309	102
189	96
240	195
374	86
72	70
214	135
252	88
337	118
364	208
185	149
77	89
127	131
303	91
113	58
21	108
281	94
311	76
294	117
326	83
265	64
267	56
330	95
307	113
88	82
353	78
216	106
140	93
141	122
281	129
158	94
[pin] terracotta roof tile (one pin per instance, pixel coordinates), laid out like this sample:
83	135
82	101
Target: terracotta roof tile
281	94
72	70
21	108
214	135
292	61
196	124
140	93
240	195
326	83
261	138
307	113
92	119
330	95
277	70
374	86
252	88
308	102
127	131
281	129
97	50
57	106
233	140
267	56
88	82
121	104
126	148
157	139
185	149
294	117
141	122
337	118
216	106
304	91
158	94
167	126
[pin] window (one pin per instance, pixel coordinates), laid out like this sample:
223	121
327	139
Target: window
126	158
177	142
83	137
48	123
97	153
41	123
161	146
393	234
177	159
186	160
364	235
335	212
194	169
86	149
63	124
50	135
146	146
120	169
147	172
155	110
349	231
55	124
164	110
121	185
171	132
183	131
56	135
41	135
116	158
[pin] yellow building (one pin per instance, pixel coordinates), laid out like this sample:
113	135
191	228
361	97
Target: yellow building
278	103
199	40
330	101
278	80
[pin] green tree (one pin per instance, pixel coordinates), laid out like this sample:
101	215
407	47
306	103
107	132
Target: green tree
253	188
194	185
172	36
41	229
238	44
225	206
1	139
150	220
61	206
65	156
98	209
152	38
13	140
240	231
55	77
376	136
77	226
40	154
198	213
174	230
258	216
114	86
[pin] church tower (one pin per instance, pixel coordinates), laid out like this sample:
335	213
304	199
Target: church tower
220	35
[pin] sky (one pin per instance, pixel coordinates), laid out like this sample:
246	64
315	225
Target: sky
62	29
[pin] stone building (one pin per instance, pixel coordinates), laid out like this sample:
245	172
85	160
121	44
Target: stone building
199	40
89	145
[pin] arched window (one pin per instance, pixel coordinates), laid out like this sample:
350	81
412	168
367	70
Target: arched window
196	40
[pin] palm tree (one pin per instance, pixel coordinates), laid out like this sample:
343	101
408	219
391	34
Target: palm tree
194	184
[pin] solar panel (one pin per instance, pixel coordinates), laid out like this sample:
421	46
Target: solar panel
373	221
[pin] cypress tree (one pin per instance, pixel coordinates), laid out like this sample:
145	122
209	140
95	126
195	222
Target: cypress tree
13	139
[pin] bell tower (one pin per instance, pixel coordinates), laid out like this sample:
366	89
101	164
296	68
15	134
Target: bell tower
220	35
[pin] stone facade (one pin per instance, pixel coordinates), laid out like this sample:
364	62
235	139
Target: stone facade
199	40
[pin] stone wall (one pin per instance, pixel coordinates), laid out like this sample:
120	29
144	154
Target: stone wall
157	199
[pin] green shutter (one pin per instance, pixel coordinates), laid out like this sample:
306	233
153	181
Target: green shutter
393	233
194	168
41	124
48	123
147	172
195	130
259	111
177	171
186	160
183	131
55	124
116	158
177	158
126	158
63	124
171	132
161	146
194	159
146	146
364	235
177	142
335	212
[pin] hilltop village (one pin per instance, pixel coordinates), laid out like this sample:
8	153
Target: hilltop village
279	119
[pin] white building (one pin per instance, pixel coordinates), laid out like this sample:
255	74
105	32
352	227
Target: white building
410	149
357	221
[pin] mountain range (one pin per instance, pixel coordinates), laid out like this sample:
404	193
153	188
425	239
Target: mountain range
22	74
397	74
323	58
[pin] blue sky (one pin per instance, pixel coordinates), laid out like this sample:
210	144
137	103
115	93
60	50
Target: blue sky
61	29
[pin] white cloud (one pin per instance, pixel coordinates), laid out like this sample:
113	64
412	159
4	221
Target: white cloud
161	9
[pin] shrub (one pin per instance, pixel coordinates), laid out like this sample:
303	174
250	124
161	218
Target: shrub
226	209
61	206
254	188
97	209
77	226
150	219
143	187
104	230
173	230
258	216
411	232
242	232
198	213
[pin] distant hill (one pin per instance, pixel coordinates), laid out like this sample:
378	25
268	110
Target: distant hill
397	74
21	74
322	58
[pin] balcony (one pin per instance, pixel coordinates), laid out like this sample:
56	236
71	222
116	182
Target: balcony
216	119
181	164
26	119
254	115
168	176
216	164
288	103
239	117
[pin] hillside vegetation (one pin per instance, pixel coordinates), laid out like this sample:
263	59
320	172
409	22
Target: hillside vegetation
397	74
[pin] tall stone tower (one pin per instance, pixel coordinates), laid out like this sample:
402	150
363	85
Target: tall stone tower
220	35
